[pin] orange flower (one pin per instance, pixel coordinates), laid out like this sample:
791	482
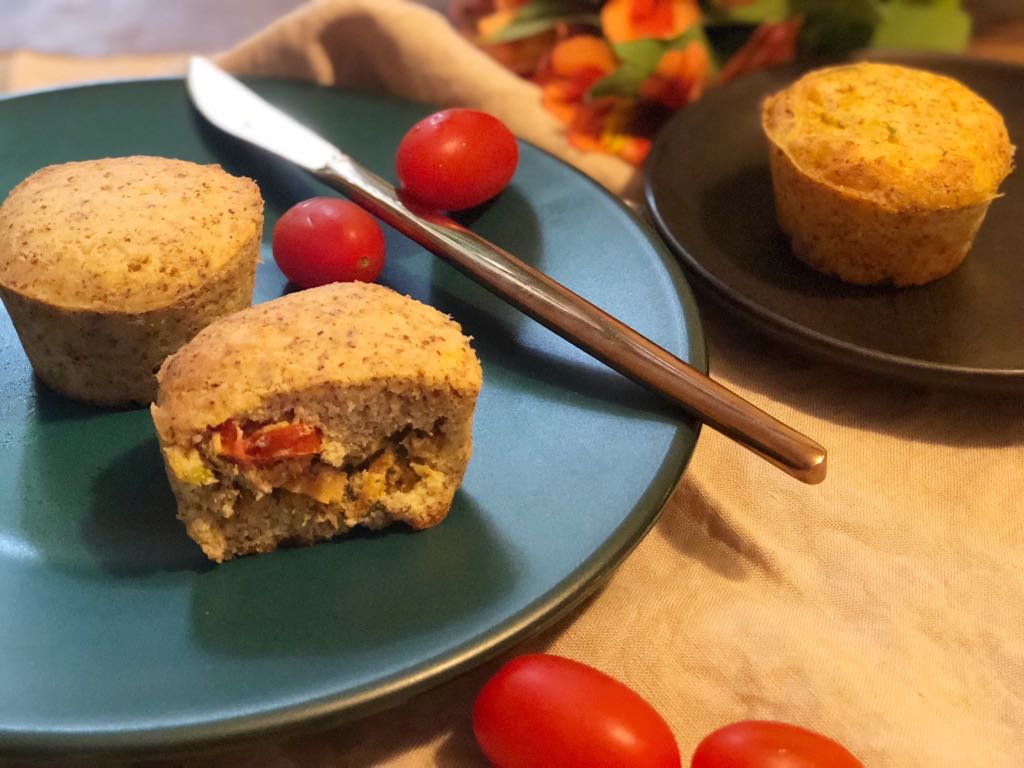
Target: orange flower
679	78
466	14
604	125
770	45
521	56
598	125
626	20
582	55
574	65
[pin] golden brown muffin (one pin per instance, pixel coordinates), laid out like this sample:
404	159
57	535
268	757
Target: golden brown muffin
295	420
107	266
883	173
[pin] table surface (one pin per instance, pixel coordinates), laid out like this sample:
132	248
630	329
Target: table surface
107	27
748	544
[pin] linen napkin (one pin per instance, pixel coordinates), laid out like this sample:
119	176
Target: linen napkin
402	48
882	607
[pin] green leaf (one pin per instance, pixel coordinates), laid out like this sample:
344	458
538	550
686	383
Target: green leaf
939	25
639	59
624	81
541	15
646	53
518	30
837	26
840	26
725	39
537	9
753	13
642	54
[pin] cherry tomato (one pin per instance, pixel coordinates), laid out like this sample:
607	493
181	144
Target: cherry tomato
268	443
543	710
328	240
456	159
766	744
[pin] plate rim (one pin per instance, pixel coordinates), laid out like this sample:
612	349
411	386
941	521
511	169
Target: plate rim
899	367
315	714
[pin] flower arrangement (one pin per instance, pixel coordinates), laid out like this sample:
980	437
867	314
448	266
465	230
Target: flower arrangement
613	71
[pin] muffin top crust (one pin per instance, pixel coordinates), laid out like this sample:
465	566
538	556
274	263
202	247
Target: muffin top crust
124	234
901	137
340	334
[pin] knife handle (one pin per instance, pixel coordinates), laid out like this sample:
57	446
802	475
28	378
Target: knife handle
581	323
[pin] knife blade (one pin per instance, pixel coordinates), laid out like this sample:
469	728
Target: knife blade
237	110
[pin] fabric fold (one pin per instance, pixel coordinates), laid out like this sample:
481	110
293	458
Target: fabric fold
880	608
412	52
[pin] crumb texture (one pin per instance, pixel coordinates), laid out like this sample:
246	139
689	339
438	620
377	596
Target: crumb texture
387	385
108	266
902	137
124	234
883	173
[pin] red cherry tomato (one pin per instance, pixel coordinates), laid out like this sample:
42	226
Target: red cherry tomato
766	744
542	710
262	445
328	240
456	159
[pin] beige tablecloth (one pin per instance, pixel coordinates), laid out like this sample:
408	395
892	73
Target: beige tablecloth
882	607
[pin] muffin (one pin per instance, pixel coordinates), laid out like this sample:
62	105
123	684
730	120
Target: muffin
107	266
294	421
883	173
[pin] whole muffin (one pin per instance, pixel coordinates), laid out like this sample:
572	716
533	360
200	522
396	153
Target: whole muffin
296	420
108	266
883	173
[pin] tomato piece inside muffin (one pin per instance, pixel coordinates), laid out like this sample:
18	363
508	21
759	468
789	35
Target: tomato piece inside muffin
299	419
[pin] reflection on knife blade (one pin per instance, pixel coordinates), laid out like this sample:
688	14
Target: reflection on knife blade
237	110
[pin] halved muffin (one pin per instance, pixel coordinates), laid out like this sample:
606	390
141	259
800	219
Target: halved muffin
107	266
295	420
883	173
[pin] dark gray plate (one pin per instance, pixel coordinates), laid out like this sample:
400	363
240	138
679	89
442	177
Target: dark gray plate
709	192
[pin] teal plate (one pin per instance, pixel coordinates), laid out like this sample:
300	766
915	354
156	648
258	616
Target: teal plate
118	636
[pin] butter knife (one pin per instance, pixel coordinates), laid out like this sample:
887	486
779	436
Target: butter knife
235	109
